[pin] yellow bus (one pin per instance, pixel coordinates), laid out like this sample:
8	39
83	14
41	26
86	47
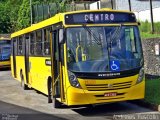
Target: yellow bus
5	51
81	57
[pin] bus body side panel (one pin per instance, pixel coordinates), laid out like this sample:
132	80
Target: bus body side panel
20	65
39	73
94	91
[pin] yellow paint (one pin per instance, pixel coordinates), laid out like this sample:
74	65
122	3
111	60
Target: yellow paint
90	82
74	95
4	64
39	72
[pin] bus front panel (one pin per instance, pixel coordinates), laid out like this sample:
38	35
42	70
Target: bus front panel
104	64
106	91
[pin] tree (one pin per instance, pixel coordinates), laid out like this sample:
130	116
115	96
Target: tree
24	11
15	14
13	6
23	15
4	19
8	13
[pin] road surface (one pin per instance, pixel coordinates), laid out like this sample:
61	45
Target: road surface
17	104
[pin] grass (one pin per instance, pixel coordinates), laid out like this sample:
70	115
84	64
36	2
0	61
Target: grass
145	29
152	94
145	35
153	91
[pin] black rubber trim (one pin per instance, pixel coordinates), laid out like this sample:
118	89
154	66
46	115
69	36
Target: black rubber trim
108	75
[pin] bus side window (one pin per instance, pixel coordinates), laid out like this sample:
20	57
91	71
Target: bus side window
20	43
38	44
32	44
13	47
46	43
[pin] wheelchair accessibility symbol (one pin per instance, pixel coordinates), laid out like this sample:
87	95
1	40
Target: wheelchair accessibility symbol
114	65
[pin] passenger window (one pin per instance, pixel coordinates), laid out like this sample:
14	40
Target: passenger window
38	49
32	44
20	43
46	43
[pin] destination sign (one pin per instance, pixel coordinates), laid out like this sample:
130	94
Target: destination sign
99	17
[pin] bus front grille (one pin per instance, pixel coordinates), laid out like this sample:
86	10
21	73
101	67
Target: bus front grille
105	87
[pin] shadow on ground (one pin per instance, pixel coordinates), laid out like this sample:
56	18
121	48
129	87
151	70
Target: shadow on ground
110	109
10	111
5	69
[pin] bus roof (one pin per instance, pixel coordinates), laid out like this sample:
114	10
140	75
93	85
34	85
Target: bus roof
100	10
59	18
37	26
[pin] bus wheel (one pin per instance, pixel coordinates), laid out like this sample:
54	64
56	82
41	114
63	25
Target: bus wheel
57	104
49	91
23	85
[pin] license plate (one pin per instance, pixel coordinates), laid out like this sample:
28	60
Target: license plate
111	94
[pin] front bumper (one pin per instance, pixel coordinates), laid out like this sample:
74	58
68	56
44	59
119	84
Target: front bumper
77	96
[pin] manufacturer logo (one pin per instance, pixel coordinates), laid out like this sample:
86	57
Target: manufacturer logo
110	86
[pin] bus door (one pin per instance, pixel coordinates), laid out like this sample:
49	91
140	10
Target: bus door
57	73
14	51
26	59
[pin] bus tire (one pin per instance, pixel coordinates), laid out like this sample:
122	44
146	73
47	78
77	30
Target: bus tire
23	85
57	104
49	90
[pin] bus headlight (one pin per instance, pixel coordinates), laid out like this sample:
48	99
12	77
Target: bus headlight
73	80
141	75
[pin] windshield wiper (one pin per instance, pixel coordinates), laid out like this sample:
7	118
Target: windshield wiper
96	39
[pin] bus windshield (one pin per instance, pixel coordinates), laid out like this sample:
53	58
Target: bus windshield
5	49
5	42
103	49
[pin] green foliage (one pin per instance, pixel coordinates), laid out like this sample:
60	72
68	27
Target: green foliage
15	14
40	10
62	6
152	91
146	27
14	7
157	27
145	35
4	19
8	13
24	15
24	11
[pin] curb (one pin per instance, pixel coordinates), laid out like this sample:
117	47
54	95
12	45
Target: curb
146	104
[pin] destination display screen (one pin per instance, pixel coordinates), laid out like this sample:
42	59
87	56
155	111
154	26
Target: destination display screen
99	18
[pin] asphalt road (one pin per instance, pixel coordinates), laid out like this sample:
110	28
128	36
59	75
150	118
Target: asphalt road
17	104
